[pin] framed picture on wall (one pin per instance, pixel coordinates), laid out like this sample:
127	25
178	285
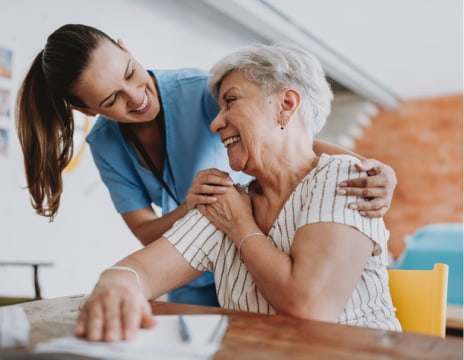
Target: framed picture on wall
3	142
6	61
4	103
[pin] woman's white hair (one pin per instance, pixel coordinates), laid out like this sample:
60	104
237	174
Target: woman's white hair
277	67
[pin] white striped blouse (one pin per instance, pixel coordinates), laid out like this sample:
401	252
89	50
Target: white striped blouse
314	200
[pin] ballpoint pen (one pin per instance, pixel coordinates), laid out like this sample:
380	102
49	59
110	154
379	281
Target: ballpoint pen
184	330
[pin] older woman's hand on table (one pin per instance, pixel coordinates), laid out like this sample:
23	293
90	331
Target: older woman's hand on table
378	187
114	311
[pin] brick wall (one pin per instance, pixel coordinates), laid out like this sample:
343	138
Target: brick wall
423	142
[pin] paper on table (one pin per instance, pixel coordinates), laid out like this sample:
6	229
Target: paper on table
14	326
164	341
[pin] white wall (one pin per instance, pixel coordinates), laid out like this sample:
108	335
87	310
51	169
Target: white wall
88	235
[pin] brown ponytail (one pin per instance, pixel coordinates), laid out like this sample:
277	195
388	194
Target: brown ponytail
45	129
44	118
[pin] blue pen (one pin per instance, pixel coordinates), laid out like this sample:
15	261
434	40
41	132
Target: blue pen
184	330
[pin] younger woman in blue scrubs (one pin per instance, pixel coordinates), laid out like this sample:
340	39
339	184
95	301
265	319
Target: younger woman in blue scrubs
151	142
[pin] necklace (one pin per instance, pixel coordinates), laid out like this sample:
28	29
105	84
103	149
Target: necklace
128	132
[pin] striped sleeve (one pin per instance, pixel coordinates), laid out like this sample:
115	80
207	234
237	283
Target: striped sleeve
196	238
320	203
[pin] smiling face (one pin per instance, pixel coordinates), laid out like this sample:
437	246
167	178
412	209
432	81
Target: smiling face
116	86
247	122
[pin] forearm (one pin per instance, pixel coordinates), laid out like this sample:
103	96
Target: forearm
323	147
159	268
148	227
128	273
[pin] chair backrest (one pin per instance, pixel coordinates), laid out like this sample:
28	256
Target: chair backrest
420	298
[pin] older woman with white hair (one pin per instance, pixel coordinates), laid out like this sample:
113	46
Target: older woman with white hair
286	243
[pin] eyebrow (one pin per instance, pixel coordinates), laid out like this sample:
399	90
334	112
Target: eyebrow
223	97
125	75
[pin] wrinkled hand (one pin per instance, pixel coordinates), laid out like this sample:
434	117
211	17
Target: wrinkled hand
230	212
113	312
378	187
206	186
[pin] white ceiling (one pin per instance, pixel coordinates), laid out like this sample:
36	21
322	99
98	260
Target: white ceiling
387	50
412	47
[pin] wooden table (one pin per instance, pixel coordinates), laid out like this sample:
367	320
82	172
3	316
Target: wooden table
454	317
256	336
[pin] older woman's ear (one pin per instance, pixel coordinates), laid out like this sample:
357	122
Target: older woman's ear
289	105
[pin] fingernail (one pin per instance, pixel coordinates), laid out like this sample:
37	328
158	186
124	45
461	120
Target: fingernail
229	182
343	184
341	191
353	206
362	213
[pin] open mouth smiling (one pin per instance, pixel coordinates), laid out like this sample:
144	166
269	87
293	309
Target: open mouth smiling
231	140
142	106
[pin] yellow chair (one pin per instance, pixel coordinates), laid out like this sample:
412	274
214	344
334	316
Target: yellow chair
420	298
